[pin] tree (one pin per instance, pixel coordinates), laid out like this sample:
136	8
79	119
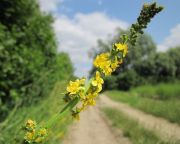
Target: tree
164	67
174	54
64	68
28	54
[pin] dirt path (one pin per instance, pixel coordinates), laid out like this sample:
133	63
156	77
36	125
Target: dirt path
166	130
93	129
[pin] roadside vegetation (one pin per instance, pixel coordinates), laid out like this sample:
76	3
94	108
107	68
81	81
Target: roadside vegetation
162	100
11	132
131	129
32	71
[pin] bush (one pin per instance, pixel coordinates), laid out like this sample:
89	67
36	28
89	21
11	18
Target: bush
128	80
110	83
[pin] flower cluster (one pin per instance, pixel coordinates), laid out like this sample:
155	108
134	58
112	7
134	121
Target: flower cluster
119	47
86	96
106	63
34	134
102	62
75	89
110	61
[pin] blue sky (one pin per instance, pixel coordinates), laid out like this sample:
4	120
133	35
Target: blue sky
79	23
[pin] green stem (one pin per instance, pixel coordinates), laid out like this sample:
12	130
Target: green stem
55	118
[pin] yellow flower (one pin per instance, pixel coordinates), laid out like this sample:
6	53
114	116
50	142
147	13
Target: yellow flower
42	132
76	86
115	64
98	81
30	124
107	70
102	61
121	47
81	93
88	101
29	136
91	101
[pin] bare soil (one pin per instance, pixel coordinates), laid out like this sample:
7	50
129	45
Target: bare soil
93	129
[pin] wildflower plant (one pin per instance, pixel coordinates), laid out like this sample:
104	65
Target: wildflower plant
79	93
33	133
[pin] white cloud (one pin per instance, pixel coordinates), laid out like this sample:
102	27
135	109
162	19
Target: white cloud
172	40
49	5
79	34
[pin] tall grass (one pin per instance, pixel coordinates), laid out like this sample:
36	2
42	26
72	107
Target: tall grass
160	100
11	133
131	129
161	91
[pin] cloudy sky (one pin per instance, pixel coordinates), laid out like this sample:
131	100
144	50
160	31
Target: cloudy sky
80	23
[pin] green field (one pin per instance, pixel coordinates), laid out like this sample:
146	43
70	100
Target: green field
11	132
131	129
162	100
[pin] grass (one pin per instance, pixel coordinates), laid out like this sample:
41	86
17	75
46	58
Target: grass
11	133
131	129
145	99
161	91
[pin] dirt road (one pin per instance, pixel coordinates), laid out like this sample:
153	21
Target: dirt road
93	129
166	130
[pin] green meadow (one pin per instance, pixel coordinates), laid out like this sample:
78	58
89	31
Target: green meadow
161	100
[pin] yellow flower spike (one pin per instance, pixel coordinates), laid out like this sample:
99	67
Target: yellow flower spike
107	63
122	47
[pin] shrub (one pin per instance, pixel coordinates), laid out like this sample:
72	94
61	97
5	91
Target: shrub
110	83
